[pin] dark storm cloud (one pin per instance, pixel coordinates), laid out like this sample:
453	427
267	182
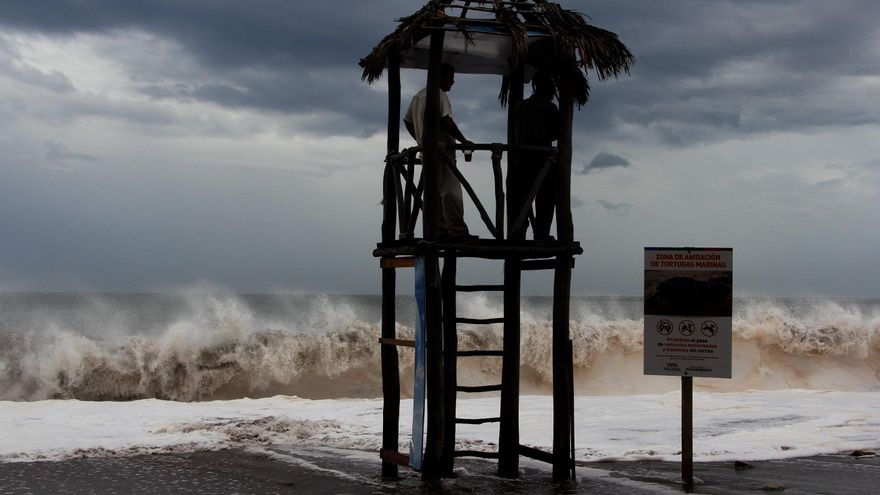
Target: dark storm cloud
108	190
685	39
604	161
712	70
329	97
225	33
281	56
706	70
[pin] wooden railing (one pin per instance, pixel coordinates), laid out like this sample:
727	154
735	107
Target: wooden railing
406	193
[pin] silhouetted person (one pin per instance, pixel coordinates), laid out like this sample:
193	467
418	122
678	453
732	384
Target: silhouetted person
536	123
451	219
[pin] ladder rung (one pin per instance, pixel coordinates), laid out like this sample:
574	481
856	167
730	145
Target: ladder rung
477	421
402	262
478	388
397	342
395	457
479	321
479	288
476	453
536	454
480	353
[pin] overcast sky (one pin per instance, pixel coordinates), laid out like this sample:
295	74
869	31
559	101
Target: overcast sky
157	145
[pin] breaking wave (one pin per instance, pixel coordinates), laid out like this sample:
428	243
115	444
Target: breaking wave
221	349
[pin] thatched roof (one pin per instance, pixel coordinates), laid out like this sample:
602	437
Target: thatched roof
490	36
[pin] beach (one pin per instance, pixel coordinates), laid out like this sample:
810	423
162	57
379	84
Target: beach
797	439
309	471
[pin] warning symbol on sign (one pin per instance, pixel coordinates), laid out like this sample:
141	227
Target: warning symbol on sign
664	327
686	328
709	328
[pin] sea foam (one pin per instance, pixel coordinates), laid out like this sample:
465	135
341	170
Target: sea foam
743	426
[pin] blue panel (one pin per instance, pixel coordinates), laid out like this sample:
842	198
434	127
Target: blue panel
418	425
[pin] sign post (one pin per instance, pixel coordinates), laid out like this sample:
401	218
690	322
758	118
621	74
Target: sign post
687	432
688	325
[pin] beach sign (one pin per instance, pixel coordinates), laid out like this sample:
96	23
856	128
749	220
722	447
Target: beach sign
688	325
688	312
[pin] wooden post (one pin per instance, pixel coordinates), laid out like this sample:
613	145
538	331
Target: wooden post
450	358
394	128
562	365
408	193
389	203
433	462
499	191
563	423
393	104
390	374
389	356
687	432
432	465
514	98
570	351
564	225
508	434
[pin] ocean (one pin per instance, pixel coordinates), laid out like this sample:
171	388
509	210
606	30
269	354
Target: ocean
102	375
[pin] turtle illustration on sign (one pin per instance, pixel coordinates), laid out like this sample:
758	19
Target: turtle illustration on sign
688	293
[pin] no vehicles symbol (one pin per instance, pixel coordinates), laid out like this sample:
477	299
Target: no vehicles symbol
664	327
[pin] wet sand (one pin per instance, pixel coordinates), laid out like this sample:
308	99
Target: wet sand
323	472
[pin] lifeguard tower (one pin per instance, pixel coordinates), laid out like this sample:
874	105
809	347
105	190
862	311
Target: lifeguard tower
512	39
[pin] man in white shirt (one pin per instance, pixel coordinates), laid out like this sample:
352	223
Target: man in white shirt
451	221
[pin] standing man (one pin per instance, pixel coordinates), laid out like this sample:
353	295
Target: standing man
451	221
536	123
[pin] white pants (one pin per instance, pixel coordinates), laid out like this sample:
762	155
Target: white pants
451	219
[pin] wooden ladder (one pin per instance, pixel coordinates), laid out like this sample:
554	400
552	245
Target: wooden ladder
509	448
